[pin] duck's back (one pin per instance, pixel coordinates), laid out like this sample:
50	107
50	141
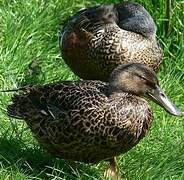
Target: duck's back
78	121
96	40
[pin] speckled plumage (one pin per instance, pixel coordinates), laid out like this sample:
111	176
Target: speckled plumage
79	121
96	40
90	121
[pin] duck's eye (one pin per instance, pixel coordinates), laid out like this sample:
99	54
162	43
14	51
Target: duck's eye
148	82
142	77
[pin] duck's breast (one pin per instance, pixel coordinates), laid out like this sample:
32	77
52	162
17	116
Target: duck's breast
132	120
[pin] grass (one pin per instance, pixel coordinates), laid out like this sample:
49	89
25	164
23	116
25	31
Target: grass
29	32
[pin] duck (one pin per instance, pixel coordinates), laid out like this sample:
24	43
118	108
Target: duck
91	120
97	39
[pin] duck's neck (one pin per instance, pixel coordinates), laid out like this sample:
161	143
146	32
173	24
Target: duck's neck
117	88
134	113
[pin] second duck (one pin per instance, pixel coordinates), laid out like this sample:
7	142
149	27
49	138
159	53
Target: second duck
96	40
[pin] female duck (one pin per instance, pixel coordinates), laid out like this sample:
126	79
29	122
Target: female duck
91	121
96	40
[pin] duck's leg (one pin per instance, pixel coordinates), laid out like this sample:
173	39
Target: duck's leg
113	171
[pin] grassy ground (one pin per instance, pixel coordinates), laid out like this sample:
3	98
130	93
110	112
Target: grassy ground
29	32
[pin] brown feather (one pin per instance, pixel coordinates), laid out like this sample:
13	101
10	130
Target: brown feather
78	121
96	40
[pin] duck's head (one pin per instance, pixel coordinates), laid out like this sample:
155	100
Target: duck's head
134	17
137	79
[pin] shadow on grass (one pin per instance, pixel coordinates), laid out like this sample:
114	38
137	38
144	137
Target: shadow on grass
36	163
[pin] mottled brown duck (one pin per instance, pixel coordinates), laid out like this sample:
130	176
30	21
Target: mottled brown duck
96	40
90	121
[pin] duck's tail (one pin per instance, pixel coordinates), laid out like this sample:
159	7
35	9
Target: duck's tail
18	107
29	104
23	104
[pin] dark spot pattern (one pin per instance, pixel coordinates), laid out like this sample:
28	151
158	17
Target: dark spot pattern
78	121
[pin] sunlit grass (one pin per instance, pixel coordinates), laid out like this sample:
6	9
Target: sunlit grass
28	32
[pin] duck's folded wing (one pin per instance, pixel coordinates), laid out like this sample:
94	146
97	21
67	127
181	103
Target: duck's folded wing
54	100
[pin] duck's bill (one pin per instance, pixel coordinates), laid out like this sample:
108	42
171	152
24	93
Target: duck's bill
160	98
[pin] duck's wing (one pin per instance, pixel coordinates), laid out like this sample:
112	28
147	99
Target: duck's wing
90	17
52	100
86	21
